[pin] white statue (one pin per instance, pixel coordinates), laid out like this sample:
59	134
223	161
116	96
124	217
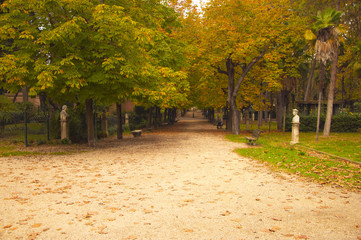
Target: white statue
64	117
295	127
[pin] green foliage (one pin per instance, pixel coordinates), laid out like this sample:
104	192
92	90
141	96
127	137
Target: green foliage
65	141
326	18
346	123
76	50
340	122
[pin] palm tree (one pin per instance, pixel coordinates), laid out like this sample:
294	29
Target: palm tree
326	49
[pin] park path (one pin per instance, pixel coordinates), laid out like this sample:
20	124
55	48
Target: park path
180	182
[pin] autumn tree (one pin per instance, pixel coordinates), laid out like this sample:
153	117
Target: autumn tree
237	35
85	51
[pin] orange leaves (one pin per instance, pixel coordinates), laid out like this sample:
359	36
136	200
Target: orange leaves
36	225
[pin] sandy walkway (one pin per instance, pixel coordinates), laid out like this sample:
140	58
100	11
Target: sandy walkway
183	182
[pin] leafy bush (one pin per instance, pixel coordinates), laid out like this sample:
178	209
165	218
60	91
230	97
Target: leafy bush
77	124
346	123
343	122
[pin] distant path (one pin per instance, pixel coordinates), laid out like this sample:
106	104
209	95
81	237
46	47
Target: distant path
179	182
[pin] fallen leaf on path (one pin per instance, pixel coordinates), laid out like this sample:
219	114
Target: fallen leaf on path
101	230
288	235
188	230
301	237
147	211
226	213
8	226
131	237
36	225
277	219
323	207
32	236
236	220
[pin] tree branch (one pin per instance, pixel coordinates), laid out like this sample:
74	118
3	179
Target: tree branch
221	71
246	69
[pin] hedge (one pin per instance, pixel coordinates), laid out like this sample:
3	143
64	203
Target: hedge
340	123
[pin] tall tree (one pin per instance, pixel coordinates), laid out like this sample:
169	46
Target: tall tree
238	34
85	51
326	49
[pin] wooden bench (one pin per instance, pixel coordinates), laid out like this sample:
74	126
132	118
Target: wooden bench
137	133
255	134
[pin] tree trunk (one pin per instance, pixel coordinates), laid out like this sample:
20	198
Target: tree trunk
260	113
234	114
235	117
119	121
320	88
318	114
281	103
310	78
331	94
105	123
284	118
15	96
25	92
90	122
165	115
246	117
149	118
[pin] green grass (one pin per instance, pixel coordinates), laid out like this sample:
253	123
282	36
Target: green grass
10	148
276	150
345	145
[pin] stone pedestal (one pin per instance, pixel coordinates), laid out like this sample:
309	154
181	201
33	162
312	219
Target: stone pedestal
127	121
295	133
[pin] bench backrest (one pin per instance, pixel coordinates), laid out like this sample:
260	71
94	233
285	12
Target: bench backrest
256	133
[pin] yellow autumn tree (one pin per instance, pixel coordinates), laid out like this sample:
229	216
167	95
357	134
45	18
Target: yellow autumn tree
238	35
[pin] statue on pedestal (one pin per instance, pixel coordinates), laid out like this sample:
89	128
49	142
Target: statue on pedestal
295	127
64	123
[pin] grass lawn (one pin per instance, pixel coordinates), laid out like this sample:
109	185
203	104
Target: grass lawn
276	150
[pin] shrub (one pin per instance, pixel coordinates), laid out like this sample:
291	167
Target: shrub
346	123
343	122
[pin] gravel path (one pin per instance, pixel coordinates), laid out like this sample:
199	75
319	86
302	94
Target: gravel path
180	182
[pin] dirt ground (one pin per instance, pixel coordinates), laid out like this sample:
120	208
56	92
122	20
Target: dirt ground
179	182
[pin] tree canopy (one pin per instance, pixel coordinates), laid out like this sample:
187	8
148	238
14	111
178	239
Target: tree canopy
173	54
